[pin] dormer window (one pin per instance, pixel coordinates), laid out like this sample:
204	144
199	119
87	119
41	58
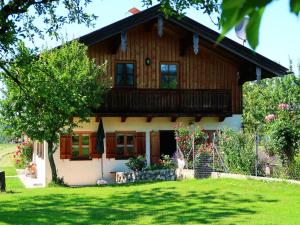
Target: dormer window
124	75
168	75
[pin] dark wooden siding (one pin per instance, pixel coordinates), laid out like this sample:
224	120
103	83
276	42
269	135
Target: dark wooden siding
207	70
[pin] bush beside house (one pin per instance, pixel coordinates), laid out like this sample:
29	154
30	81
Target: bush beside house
23	154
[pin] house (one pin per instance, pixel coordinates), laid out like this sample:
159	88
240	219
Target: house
164	70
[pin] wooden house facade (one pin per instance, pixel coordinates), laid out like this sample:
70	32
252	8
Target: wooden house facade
164	71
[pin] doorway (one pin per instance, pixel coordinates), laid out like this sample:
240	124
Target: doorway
167	142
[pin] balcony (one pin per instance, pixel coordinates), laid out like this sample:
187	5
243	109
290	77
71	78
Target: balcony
166	102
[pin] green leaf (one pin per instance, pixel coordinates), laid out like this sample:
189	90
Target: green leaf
230	14
252	29
295	6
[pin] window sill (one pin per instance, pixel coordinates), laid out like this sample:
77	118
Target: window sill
124	157
81	159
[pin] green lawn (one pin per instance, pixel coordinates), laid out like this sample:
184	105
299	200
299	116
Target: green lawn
6	163
222	201
7	148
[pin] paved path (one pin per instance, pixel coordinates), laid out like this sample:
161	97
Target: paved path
28	181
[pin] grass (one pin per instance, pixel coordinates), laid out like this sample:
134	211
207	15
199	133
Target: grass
6	163
221	201
12	184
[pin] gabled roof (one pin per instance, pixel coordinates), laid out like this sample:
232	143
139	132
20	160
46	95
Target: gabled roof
190	25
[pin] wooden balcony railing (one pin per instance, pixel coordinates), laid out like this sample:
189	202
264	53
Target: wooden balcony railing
124	102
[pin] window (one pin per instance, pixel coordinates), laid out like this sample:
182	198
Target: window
124	75
40	150
168	76
125	145
81	146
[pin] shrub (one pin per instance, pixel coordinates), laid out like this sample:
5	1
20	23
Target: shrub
23	154
156	166
184	136
284	133
167	162
294	168
238	151
136	163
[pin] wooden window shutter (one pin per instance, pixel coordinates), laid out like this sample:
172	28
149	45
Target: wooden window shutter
154	147
141	143
65	146
111	145
37	148
93	145
42	150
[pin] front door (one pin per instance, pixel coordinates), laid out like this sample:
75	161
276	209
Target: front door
161	143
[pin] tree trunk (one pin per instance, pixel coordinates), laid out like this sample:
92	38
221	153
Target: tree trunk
51	151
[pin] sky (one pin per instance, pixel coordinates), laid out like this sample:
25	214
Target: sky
279	36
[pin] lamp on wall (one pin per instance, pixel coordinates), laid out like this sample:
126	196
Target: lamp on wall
147	61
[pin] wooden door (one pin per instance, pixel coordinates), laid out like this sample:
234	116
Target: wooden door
154	147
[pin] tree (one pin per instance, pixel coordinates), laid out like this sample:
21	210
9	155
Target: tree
261	99
56	85
20	19
283	130
232	12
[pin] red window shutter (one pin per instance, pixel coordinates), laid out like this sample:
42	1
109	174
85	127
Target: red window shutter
93	144
65	146
141	143
154	147
39	149
111	145
42	150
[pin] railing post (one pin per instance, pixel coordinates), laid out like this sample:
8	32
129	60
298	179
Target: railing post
256	153
214	136
193	146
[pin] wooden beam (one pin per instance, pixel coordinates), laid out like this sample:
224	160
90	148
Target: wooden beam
173	119
221	118
198	118
149	119
123	119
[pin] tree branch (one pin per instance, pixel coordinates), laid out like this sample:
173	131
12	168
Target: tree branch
12	77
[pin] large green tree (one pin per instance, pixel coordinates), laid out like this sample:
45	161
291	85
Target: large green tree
261	99
28	19
56	85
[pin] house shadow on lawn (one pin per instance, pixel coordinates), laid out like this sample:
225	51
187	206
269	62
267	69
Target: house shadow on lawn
160	205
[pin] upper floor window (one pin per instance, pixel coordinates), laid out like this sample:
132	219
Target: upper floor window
124	75
168	75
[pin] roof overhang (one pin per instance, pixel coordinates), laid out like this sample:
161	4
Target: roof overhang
191	25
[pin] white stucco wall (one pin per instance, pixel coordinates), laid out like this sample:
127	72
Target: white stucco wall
41	164
88	171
